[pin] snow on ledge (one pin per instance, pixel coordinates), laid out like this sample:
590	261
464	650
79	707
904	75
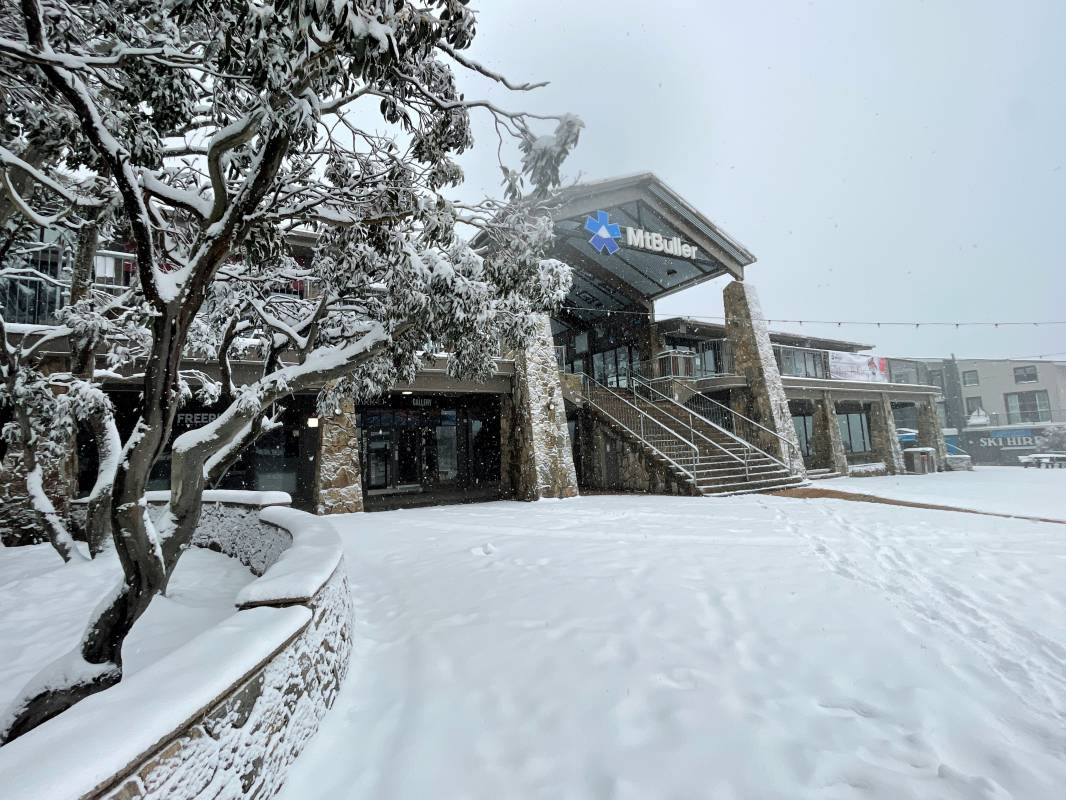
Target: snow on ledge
75	753
302	568
234	496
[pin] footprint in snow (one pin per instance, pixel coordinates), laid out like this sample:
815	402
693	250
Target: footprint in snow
486	549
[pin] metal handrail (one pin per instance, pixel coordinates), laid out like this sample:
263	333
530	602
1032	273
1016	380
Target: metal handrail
793	451
748	447
589	381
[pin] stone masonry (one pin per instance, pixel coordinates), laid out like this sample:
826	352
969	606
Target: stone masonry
930	434
537	460
828	446
753	357
338	484
637	471
883	437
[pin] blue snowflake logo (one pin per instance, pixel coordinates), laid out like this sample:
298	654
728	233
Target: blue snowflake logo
604	232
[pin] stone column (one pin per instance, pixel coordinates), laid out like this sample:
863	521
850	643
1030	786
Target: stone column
753	355
826	441
537	459
883	435
930	434
338	481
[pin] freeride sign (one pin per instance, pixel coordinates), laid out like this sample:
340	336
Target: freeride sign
606	235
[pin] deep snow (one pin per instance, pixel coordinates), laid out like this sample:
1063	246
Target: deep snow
46	605
747	647
1001	490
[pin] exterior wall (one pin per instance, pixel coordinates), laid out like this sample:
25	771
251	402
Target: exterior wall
826	442
753	357
633	469
883	438
996	378
536	456
338	482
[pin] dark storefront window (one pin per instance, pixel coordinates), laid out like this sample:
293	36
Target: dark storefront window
424	448
854	432
1028	407
804	424
282	459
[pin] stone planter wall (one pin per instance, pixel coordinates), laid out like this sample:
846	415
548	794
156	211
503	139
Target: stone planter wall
226	714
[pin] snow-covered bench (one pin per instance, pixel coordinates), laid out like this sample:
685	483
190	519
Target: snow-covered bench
225	714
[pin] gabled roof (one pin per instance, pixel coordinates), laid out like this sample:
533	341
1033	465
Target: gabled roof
622	273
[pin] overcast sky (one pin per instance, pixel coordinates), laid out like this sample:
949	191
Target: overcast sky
895	160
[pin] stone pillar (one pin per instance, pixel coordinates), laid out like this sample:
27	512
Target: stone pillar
537	458
338	481
930	434
883	435
826	441
753	355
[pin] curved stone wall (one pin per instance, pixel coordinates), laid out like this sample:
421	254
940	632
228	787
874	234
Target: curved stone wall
226	714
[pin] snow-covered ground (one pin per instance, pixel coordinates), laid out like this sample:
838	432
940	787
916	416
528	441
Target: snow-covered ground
1001	490
654	647
46	605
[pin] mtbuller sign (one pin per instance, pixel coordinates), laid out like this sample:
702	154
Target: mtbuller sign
606	234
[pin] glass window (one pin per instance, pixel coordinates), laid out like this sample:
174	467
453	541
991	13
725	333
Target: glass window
854	432
1025	375
804	425
581	343
1028	407
973	404
969	377
599	367
936	377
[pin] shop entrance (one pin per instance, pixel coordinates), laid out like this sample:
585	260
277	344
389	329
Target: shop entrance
421	450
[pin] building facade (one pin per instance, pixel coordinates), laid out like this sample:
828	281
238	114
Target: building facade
997	410
606	397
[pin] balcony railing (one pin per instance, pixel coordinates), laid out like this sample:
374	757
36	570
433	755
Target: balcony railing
1035	416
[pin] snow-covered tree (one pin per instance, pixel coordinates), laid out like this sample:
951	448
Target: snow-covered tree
1052	440
215	133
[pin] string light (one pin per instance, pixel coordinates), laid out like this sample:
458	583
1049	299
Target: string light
838	323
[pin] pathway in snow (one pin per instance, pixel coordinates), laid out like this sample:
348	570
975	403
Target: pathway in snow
998	490
641	647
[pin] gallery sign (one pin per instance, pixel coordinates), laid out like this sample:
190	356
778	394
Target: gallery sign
606	235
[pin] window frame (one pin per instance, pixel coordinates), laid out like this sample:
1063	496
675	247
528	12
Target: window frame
1025	369
976	378
1038	412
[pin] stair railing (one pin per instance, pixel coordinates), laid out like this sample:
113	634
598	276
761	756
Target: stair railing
732	423
640	387
638	422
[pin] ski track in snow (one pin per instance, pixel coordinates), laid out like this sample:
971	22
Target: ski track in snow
644	647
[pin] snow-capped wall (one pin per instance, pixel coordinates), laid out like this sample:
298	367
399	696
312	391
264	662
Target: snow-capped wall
226	714
229	523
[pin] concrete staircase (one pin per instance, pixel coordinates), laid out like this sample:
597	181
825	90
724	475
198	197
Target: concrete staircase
700	454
